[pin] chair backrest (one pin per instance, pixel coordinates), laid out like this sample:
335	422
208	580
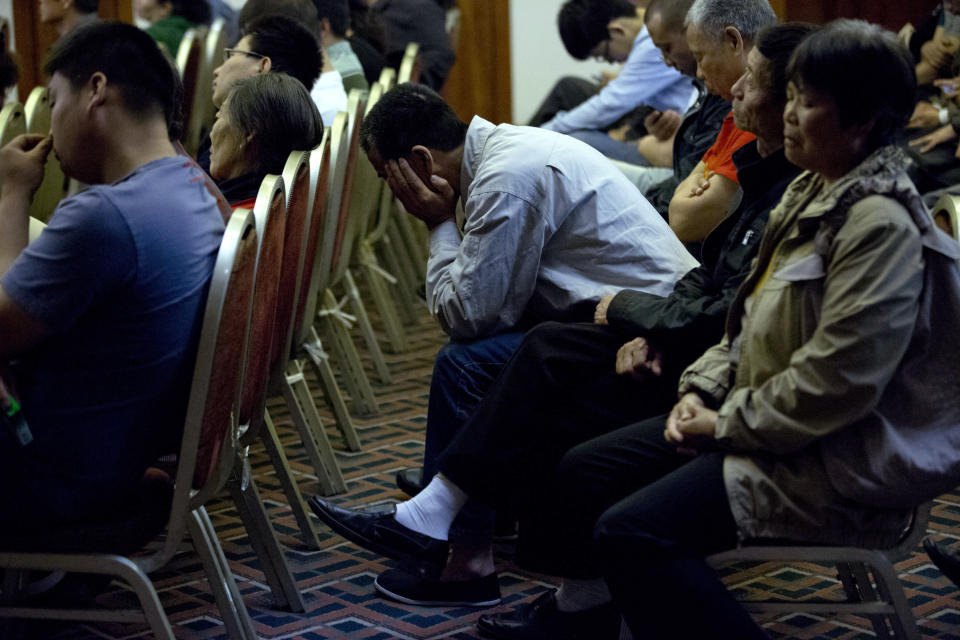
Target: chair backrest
365	196
317	209
353	214
51	190
213	46
211	425
388	78
296	176
270	214
409	70
12	122
189	57
333	221
946	214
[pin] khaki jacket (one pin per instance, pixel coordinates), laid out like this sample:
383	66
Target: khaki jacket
813	340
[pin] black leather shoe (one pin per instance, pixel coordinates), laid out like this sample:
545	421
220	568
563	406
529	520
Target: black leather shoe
541	620
947	561
410	480
415	588
380	532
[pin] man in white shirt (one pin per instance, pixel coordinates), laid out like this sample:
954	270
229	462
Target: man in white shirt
549	227
614	30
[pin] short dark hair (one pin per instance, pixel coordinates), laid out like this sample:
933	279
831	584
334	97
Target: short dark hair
279	113
292	49
865	69
583	23
303	12
197	12
408	115
337	12
9	71
131	61
86	6
777	43
672	13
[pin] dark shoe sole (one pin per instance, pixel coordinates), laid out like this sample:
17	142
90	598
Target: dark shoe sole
362	541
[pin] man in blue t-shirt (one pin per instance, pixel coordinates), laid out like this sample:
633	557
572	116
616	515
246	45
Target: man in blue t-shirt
100	316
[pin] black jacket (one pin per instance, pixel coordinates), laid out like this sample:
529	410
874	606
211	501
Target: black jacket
696	134
691	319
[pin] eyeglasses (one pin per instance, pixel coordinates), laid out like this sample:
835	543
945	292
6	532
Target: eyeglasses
229	52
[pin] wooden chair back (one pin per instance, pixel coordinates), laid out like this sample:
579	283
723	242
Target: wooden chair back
317	208
189	59
213	46
334	224
210	430
296	176
270	215
388	79
410	64
352	214
12	122
52	189
367	192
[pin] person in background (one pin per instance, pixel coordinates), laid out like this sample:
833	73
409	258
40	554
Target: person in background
367	39
614	30
272	44
262	120
170	19
327	90
334	16
423	22
67	15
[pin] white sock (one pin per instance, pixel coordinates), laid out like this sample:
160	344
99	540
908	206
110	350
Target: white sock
433	509
578	595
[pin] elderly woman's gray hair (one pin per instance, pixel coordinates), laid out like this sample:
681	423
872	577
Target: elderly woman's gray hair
277	113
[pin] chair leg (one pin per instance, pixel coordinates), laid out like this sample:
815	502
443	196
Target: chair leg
263	539
369	337
271	442
141	584
902	622
406	285
415	250
396	337
236	618
336	335
302	409
331	392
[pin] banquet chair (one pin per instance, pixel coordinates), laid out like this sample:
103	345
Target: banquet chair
867	575
51	190
189	62
206	456
333	322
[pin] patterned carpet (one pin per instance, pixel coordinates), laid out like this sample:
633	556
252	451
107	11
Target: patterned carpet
337	581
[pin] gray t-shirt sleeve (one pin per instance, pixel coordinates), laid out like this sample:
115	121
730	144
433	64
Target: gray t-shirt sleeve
84	253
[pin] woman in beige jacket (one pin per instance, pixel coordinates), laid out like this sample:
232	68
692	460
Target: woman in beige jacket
790	427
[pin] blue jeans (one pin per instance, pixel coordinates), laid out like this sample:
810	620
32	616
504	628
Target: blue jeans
613	149
462	374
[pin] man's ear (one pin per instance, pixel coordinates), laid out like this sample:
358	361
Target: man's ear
733	38
616	28
97	84
421	160
265	64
